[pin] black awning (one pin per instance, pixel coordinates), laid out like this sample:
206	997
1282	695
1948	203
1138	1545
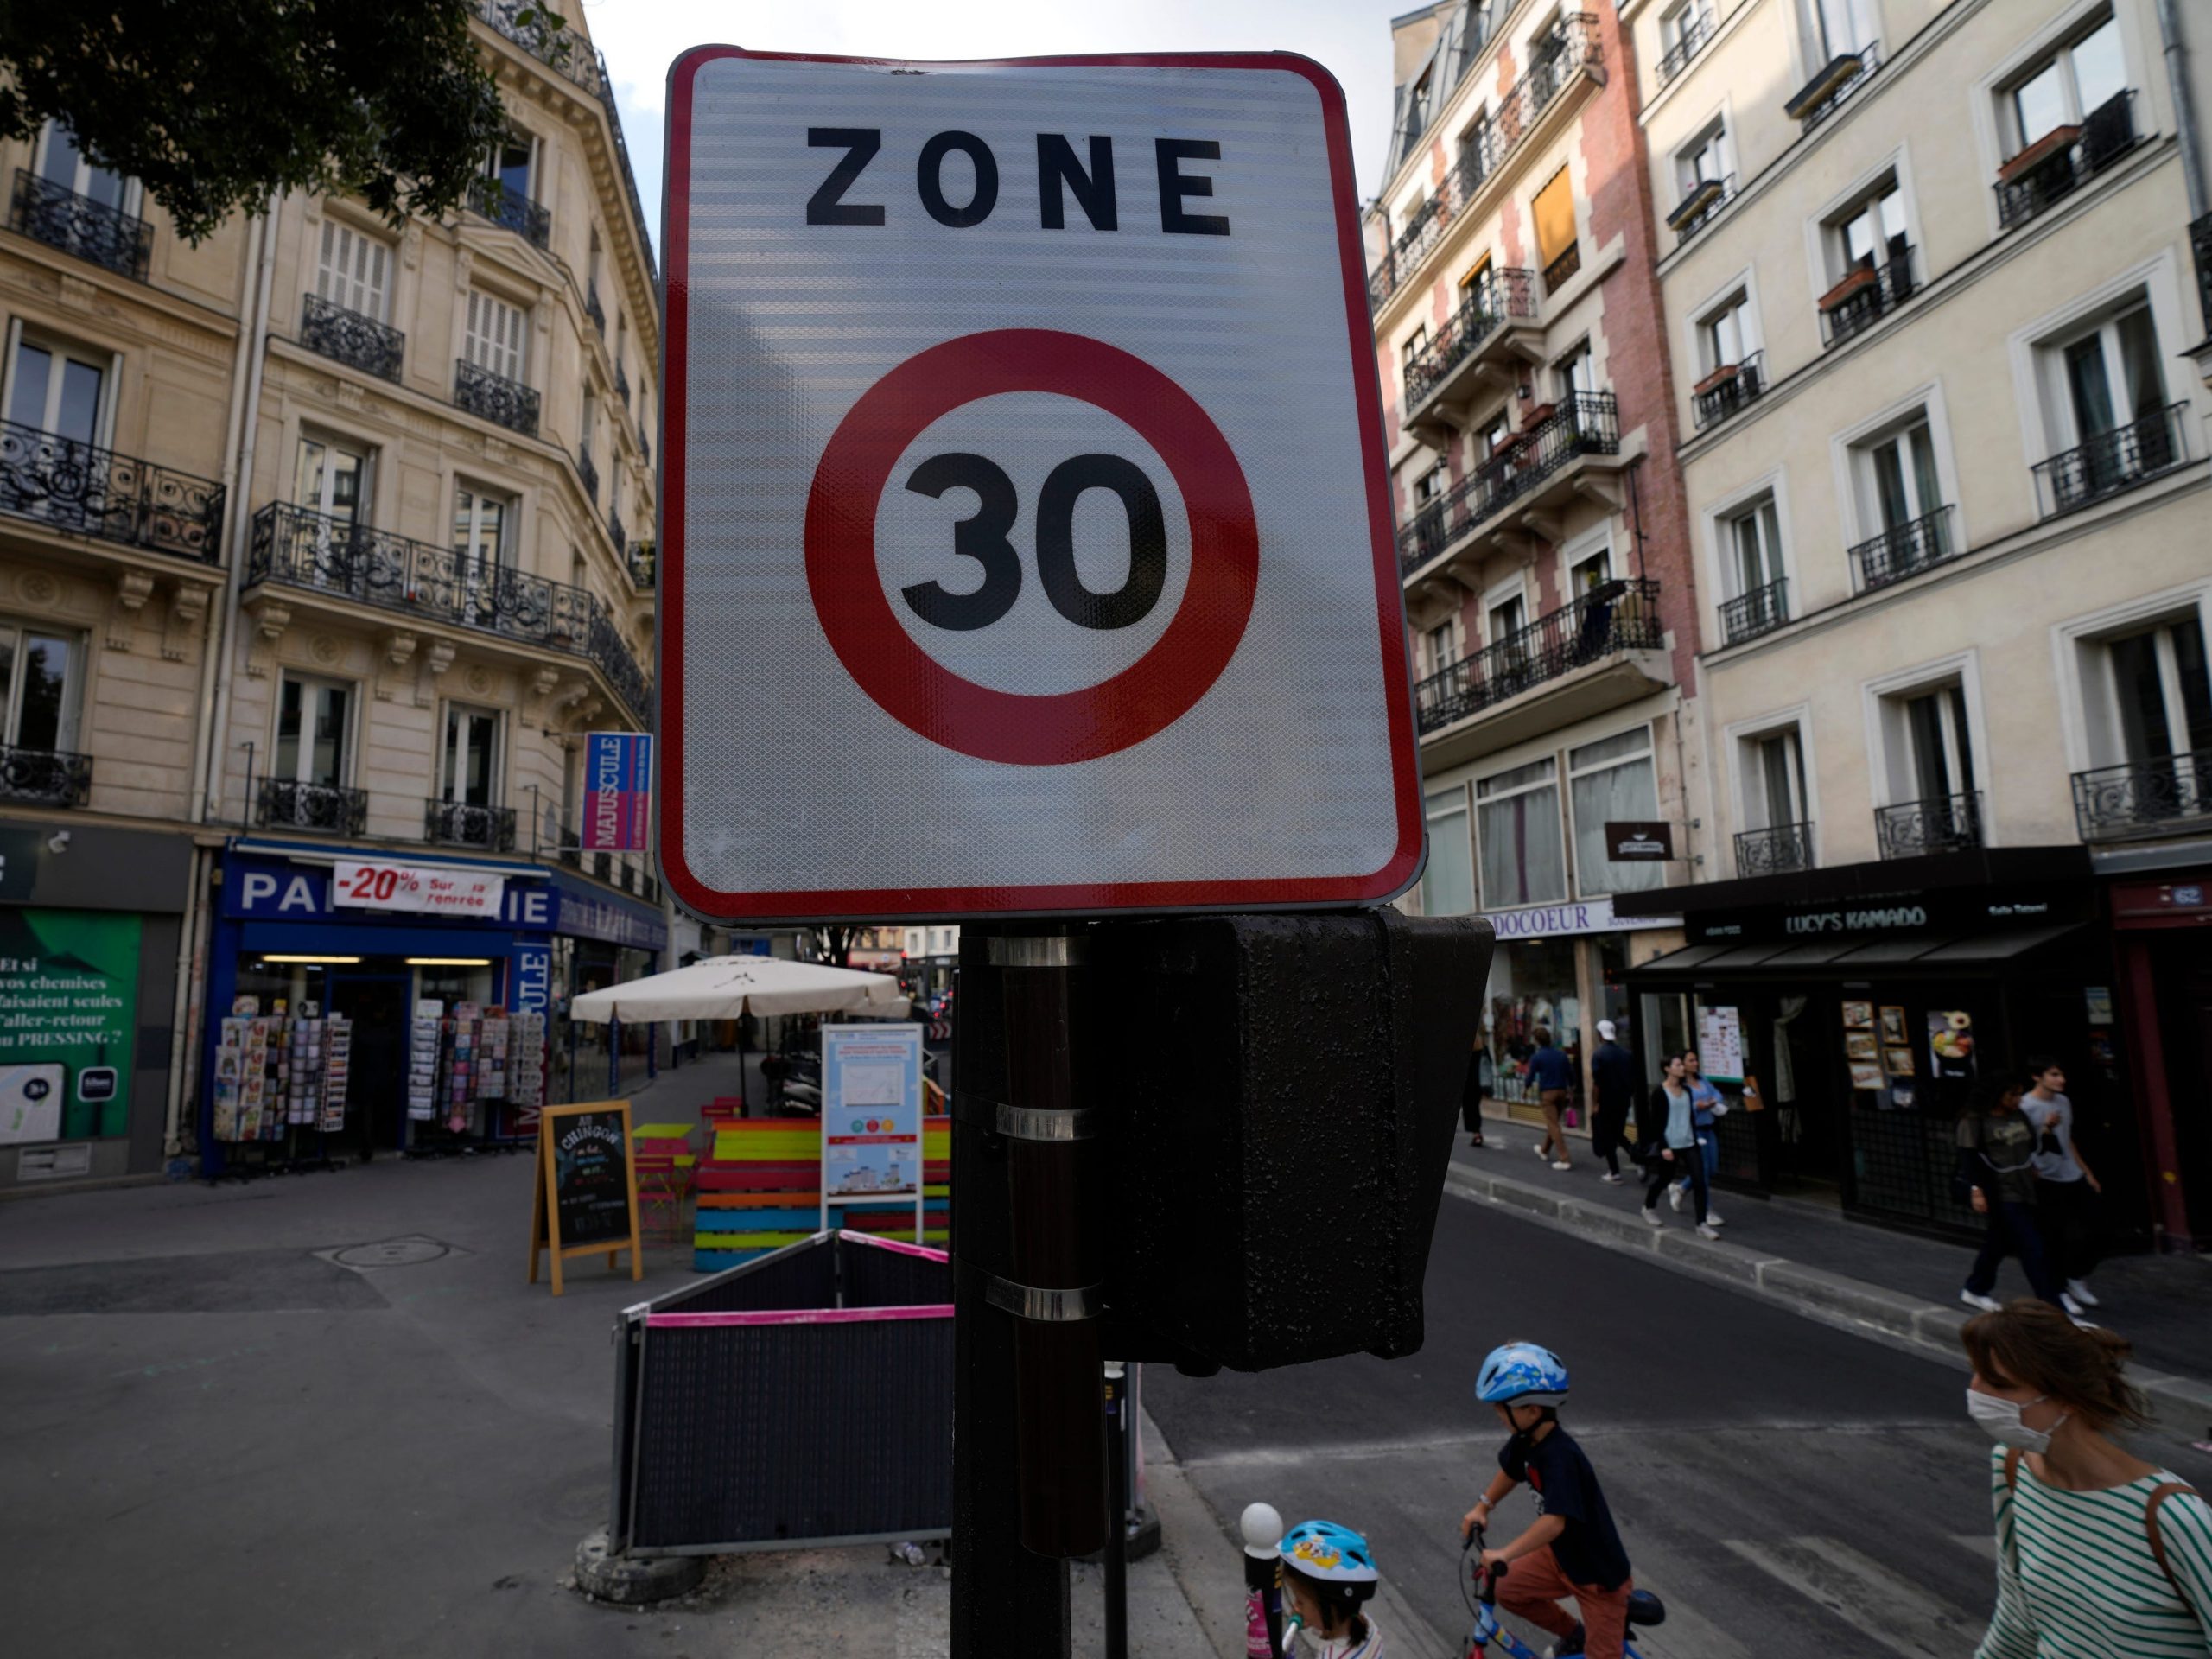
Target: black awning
1853	957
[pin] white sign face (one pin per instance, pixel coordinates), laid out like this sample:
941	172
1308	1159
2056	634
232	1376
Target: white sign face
433	889
1027	543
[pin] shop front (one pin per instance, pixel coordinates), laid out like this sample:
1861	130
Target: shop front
601	939
1854	1012
361	1003
2162	931
90	923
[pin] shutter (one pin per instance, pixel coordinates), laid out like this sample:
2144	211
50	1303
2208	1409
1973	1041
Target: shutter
1554	216
352	271
495	336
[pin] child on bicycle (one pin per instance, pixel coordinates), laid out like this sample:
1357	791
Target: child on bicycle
1572	1550
1328	1577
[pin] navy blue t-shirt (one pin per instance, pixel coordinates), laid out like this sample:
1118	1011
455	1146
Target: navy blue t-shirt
1589	1551
1551	1069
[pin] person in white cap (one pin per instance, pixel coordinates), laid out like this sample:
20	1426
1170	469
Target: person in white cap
1612	1070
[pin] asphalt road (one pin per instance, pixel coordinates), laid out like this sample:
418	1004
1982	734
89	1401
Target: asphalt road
1787	1488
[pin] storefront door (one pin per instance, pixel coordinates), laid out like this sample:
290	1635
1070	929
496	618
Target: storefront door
377	1004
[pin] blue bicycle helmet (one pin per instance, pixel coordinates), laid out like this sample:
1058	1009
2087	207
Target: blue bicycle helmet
1332	1554
1521	1373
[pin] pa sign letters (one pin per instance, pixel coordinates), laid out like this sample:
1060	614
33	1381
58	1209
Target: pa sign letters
1027	544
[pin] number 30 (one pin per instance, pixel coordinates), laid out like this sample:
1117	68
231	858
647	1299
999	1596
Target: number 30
983	538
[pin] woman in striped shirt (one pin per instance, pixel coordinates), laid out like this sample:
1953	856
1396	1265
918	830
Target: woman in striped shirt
2099	1555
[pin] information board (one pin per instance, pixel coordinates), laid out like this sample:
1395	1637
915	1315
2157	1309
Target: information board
586	1196
871	1115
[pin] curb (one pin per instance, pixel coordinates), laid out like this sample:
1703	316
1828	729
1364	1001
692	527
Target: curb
1832	1298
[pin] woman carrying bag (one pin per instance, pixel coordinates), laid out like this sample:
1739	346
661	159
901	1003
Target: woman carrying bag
2099	1555
1996	1163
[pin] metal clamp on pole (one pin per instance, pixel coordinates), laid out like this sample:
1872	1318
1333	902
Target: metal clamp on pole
1047	1307
1027	1122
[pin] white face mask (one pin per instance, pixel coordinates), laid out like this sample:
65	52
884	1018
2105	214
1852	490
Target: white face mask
2000	1420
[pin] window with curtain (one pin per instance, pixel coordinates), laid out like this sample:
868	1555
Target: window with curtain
497	335
351	270
1447	885
1554	213
1517	822
1613	780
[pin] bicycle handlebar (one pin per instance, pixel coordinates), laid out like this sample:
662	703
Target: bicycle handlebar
1487	1576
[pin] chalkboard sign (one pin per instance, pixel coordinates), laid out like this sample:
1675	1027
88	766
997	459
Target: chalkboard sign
587	1190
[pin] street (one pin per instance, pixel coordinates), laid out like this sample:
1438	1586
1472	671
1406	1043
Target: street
1786	1488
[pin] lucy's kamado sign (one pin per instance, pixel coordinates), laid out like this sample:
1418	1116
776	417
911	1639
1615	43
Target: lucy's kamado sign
1025	544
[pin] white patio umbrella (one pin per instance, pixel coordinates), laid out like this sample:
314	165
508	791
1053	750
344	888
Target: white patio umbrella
727	988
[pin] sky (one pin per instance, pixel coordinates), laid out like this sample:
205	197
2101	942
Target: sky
642	37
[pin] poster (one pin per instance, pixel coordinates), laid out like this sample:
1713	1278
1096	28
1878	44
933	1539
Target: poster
619	786
1865	1075
871	1111
1720	1044
1895	1032
1950	1044
1898	1062
1859	1044
1858	1016
68	1018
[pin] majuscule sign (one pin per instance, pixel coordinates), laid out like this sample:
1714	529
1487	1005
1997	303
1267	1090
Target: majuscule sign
586	1189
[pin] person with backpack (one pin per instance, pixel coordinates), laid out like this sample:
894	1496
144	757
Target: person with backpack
2099	1555
2066	1189
1613	1073
1997	1151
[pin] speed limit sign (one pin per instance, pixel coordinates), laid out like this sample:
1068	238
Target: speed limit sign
1026	543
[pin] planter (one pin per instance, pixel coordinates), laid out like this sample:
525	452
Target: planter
1858	277
1824	85
2057	141
1536	418
1719	378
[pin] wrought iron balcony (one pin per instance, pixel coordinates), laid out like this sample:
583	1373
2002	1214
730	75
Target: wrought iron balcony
348	337
457	824
622	385
1866	294
2113	461
44	776
641	562
310	551
87	491
587	470
1727	389
1697	30
1556	60
1832	86
1613	616
507	403
1561	270
1587	423
1773	851
2047	170
1761	611
592	309
1907	550
616	533
511	210
284	804
1945	824
1500	296
89	229
1700	206
2168	796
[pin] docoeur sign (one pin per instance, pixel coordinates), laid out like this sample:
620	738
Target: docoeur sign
1026	546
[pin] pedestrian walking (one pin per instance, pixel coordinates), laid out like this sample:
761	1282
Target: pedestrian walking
2066	1189
1708	1109
1553	1075
1472	1088
1996	1147
1613	1072
1677	1153
2099	1555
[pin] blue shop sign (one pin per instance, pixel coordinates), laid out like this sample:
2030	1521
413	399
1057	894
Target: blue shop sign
588	913
277	890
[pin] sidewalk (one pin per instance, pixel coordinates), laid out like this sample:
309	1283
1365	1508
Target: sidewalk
1897	1287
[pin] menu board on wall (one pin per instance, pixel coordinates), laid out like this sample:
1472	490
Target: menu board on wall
1720	1044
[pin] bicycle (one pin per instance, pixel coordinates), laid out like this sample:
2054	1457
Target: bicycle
1478	1589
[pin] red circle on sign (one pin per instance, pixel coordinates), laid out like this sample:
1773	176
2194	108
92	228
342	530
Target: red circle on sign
928	698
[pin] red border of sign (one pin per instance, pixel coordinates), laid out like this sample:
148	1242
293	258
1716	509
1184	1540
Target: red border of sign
918	904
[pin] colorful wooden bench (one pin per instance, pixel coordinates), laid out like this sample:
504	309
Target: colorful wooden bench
759	1189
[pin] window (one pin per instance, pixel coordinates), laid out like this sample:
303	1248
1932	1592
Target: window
1416	111
2105	395
311	731
1441	646
1447	885
1478	146
1589	569
59	388
591	265
1836	28
2067	87
40	670
1899	472
63	165
512	161
1428	488
330	477
497	335
1934	753
1415	344
1575	372
1774	785
469	765
1523	861
1755	547
1870	259
1682	32
1704	160
1724	335
482	527
350	270
2112	375
1493	436
1612	781
1507	617
1553	214
2161	697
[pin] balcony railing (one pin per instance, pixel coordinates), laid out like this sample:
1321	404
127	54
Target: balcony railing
622	385
1696	30
44	776
1613	616
88	491
1561	270
1499	297
1866	294
1761	611
1771	851
1727	389
592	309
77	224
2167	796
511	210
457	824
644	442
1905	550
1833	85
372	566
1701	206
348	337
1944	824
1586	425
615	532
587	470
2113	461
2047	170
287	805
641	563
497	399
1564	52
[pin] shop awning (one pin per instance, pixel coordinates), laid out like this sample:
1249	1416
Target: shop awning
1853	957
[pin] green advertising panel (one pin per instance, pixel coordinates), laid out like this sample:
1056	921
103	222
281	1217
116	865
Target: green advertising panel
68	1013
